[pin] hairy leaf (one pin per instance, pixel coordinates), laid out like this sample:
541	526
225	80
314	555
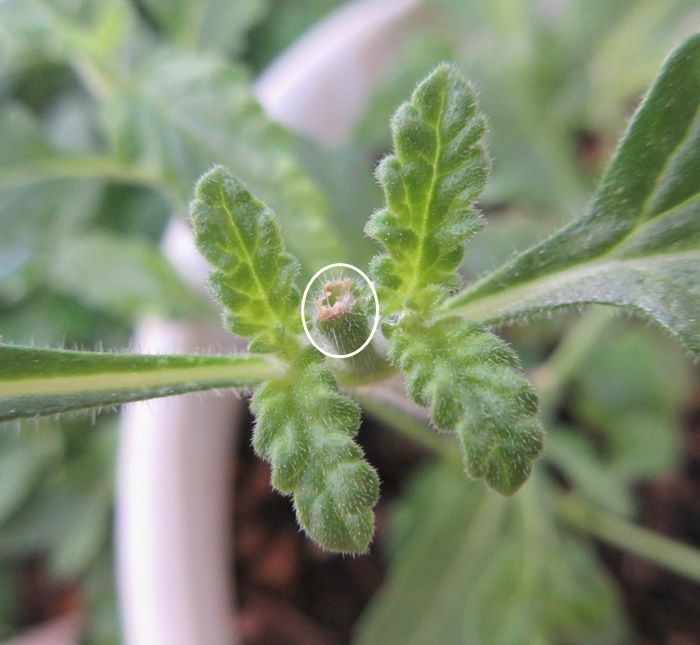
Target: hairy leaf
430	183
638	247
46	381
253	277
305	429
469	379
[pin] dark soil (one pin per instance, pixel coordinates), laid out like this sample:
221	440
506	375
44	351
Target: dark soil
292	593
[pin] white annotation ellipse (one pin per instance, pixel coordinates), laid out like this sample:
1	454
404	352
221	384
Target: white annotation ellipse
375	326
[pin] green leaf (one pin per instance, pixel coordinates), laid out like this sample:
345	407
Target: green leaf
253	277
46	381
631	388
180	113
23	460
168	114
588	473
471	568
638	247
430	183
469	379
58	30
66	518
122	275
37	207
305	429
207	24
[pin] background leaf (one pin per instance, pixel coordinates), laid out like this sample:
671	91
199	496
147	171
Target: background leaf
470	567
37	206
639	245
125	276
181	113
217	25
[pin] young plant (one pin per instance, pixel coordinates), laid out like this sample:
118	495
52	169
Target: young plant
637	247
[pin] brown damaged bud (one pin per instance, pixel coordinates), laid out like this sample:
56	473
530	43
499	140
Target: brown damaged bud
335	300
341	317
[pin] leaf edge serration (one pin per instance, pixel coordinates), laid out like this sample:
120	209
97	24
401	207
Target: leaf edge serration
305	429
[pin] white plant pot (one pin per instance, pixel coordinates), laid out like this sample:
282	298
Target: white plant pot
173	506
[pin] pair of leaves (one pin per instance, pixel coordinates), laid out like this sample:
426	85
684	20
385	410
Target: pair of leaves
638	247
642	215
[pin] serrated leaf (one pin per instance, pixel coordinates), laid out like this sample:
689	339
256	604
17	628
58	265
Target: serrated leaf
469	380
305	429
430	183
253	277
488	572
638	247
47	381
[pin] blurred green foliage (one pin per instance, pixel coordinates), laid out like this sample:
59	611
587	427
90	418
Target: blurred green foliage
110	109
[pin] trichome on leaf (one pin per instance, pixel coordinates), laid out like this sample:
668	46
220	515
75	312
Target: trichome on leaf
468	377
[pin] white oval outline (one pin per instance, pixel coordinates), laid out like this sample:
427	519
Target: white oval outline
376	309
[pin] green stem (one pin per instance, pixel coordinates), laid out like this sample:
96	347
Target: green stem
666	552
555	374
391	408
349	378
82	167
